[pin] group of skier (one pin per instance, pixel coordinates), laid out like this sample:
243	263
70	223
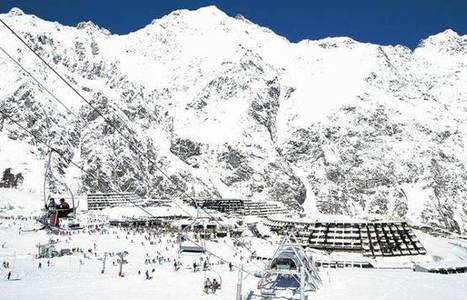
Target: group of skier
205	266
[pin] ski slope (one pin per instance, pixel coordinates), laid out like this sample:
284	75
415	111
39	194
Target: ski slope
78	276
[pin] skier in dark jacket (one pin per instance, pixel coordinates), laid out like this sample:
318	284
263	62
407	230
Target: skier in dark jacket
215	285
64	209
52	205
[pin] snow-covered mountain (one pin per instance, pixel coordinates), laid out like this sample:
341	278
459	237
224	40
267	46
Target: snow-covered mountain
230	109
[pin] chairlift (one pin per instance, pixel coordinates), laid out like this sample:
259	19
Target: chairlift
212	278
53	214
186	246
189	247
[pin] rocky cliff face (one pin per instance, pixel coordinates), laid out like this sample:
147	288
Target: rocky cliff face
229	109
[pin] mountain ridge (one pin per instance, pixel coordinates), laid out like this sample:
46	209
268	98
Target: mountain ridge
230	109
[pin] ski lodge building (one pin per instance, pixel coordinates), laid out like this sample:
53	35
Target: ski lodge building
99	201
370	238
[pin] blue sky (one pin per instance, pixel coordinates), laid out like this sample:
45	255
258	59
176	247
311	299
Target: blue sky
403	22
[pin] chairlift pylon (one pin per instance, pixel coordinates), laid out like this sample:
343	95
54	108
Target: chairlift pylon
290	268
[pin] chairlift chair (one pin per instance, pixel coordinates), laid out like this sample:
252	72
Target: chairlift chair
51	217
211	275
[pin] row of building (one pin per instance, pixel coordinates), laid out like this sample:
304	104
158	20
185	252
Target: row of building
99	201
370	238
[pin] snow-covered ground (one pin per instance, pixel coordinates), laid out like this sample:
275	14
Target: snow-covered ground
79	276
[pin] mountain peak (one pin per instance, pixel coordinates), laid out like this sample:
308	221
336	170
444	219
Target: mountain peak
445	35
15	11
89	25
440	40
210	9
210	12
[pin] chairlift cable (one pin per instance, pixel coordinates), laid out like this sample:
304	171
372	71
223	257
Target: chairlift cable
37	81
132	202
108	121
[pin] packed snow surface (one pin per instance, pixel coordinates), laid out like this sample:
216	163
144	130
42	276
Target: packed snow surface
78	276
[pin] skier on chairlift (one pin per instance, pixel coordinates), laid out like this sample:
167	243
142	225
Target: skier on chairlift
215	285
64	208
52	205
207	285
50	217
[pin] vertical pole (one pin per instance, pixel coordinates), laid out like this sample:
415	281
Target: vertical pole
120	261
103	263
302	283
239	283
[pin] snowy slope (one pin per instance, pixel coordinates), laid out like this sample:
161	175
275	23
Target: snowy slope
230	109
79	276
